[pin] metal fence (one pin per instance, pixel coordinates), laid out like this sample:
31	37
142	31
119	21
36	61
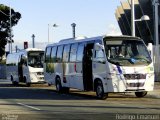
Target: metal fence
2	71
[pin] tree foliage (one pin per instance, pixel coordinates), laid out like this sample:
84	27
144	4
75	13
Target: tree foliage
5	25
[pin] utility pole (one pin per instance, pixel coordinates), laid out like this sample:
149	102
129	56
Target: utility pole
156	37
132	18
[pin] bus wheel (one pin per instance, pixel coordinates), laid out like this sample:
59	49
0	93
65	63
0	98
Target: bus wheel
27	83
58	85
141	94
100	91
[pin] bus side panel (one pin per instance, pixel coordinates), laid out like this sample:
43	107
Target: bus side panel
59	71
75	75
66	78
79	76
71	75
46	74
26	74
12	70
49	73
12	67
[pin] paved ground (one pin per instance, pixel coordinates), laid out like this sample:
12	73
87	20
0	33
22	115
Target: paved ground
156	92
40	102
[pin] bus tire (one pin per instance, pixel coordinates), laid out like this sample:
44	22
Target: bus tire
100	91
58	85
141	94
27	83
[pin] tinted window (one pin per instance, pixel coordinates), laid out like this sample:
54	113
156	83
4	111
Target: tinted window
73	52
47	55
53	54
59	53
66	53
80	52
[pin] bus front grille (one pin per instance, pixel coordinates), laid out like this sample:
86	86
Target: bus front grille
40	73
135	84
134	76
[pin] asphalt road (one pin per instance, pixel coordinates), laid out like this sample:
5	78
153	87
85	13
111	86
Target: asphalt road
40	102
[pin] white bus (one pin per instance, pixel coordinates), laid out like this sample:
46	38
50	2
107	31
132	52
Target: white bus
95	64
26	66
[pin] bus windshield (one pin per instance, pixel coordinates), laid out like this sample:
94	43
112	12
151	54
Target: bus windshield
126	52
35	59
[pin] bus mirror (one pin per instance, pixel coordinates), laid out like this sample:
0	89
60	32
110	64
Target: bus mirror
98	47
24	57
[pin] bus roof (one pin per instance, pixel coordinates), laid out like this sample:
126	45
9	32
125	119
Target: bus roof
25	51
81	39
32	49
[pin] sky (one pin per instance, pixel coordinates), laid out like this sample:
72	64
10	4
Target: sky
92	18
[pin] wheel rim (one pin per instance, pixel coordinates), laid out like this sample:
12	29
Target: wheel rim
58	86
99	91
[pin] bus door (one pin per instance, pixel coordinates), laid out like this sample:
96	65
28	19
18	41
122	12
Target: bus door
99	62
87	66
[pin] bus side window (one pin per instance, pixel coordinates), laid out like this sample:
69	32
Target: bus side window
66	53
59	53
73	52
47	54
53	54
80	52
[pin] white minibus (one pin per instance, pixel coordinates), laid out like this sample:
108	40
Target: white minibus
102	64
25	66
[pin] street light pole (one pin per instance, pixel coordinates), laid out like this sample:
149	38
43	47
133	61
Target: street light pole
156	36
54	25
132	18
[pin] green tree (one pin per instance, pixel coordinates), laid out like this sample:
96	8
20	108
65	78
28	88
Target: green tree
5	25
